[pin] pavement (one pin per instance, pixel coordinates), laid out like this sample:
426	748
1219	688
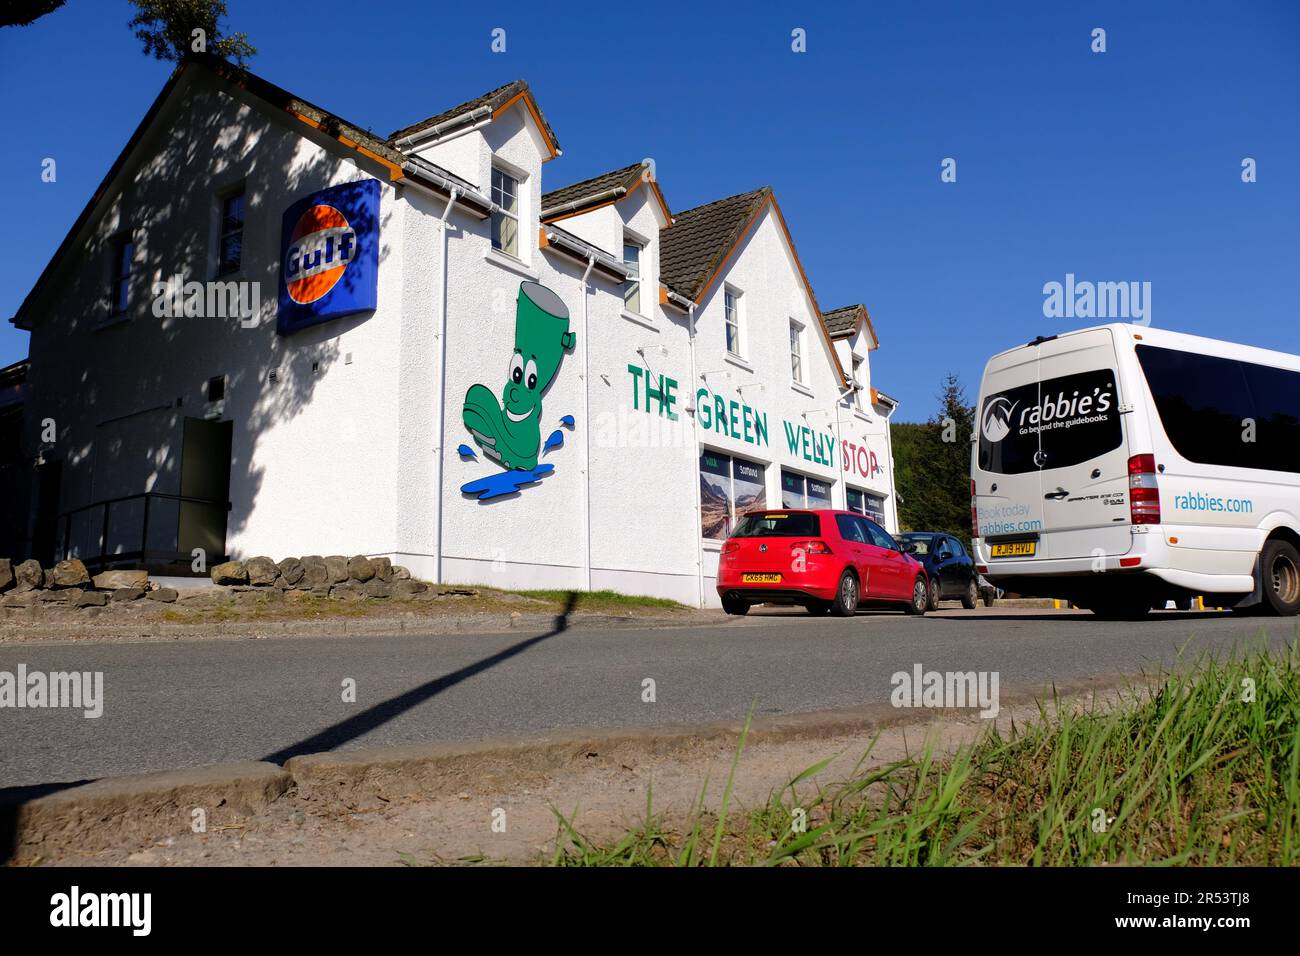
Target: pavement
194	703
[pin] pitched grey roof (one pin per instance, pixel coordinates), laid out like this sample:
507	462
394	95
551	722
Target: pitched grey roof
692	249
576	196
492	100
842	321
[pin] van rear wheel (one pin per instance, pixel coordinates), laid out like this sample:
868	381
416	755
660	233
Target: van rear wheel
1280	567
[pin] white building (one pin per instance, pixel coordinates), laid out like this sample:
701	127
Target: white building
699	375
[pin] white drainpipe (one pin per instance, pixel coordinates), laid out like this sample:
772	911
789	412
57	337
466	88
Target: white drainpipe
586	431
440	390
695	459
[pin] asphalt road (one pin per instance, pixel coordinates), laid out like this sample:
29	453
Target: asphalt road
188	703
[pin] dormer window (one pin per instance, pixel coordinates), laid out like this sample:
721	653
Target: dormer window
857	380
632	287
505	212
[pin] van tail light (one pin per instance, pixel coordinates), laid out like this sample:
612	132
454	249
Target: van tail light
1143	492
731	546
811	547
974	514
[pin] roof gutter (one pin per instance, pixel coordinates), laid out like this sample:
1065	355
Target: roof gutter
577	205
576	249
679	301
435	131
423	179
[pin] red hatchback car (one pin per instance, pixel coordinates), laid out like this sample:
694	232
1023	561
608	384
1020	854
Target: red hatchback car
824	560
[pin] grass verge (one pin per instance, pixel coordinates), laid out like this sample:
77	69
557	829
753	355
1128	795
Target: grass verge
1204	770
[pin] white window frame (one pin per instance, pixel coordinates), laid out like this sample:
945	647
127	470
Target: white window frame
796	352
733	309
222	198
634	286
855	363
499	212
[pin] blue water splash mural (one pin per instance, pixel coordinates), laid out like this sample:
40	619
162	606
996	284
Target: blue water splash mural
515	480
505	482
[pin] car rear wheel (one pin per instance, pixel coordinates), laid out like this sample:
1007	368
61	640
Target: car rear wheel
920	598
1280	566
933	595
732	606
846	595
972	595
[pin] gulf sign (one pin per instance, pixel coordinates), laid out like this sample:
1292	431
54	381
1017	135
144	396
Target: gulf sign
329	256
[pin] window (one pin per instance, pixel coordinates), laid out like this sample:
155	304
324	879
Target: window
505	212
879	536
796	353
731	309
1204	401
792	490
851	528
728	487
798	491
1051	424
777	525
632	287
857	380
865	503
217	388
119	294
230	244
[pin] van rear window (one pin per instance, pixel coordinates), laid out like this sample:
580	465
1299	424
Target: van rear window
778	524
1050	424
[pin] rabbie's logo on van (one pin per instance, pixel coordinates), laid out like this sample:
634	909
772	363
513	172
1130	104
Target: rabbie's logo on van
997	418
1082	399
329	255
1067	409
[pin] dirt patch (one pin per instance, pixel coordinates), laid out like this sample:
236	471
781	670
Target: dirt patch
211	613
504	810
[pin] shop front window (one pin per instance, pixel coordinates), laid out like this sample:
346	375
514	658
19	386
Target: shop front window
729	487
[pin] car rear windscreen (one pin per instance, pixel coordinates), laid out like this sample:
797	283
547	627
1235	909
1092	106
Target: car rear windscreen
778	524
1070	420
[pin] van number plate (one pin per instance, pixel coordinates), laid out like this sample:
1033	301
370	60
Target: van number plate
1015	549
760	579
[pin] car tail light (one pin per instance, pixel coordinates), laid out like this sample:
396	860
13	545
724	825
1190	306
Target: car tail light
1143	492
731	546
1130	562
811	547
974	514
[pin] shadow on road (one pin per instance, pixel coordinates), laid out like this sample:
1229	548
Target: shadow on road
378	715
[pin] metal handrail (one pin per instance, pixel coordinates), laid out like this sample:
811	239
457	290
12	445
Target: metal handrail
103	556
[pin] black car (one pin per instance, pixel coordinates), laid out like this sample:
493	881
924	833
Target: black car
951	569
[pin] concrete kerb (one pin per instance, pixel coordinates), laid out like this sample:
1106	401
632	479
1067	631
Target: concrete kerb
152	807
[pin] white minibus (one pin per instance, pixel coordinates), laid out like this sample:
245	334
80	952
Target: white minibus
1120	466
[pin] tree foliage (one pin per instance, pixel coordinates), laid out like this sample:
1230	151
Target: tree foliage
167	28
932	466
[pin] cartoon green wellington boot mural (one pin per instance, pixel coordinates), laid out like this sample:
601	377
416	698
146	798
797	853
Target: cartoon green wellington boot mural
510	431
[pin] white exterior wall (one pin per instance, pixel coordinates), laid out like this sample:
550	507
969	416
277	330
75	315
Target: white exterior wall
315	455
344	460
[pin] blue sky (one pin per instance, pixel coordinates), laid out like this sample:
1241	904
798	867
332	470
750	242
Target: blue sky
1120	166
